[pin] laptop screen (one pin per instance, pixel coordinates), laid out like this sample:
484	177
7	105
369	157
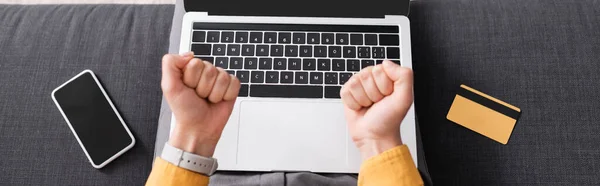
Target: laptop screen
300	8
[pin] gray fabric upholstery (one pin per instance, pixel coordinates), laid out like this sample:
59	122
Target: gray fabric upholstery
540	55
43	46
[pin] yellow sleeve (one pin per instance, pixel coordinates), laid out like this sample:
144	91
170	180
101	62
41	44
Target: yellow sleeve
392	167
165	174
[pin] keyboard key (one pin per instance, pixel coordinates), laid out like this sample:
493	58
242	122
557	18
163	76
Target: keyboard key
201	49
335	51
327	38
241	37
313	38
294	64
378	62
257	76
364	52
232	72
349	52
332	91
324	64
227	37
277	50
222	62
236	63
338	65
389	40
320	51
219	50
286	91
366	63
301	78
353	65
213	37
397	62
285	37
306	51
233	50
243	76
279	63
247	50
370	39
378	52
331	78
272	77
287	77
256	37
243	91
393	53
270	37
341	39
309	64
199	36
250	63
262	50
316	77
344	77
265	63
208	59
299	38
356	39
291	50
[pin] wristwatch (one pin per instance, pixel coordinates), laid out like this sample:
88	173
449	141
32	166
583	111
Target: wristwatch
189	161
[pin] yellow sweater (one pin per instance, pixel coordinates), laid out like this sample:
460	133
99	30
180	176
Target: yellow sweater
392	167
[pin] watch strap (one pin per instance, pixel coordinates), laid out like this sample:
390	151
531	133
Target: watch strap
189	161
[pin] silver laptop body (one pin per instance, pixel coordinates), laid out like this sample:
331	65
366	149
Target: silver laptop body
284	123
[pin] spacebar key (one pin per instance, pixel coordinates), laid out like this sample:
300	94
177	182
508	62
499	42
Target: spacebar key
286	91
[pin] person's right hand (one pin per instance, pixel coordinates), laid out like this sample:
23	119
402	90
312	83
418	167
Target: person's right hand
376	101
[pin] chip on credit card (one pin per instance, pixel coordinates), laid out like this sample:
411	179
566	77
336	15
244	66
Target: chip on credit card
483	114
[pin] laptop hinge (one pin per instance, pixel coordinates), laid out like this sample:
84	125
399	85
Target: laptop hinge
301	8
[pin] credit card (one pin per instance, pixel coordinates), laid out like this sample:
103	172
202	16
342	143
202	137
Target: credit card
483	114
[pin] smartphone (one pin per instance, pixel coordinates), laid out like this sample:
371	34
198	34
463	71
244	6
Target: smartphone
93	119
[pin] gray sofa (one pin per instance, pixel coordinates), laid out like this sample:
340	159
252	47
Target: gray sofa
540	55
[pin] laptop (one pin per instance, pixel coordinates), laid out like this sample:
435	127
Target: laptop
292	58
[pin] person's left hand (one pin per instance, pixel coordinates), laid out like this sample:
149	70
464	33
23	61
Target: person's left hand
201	97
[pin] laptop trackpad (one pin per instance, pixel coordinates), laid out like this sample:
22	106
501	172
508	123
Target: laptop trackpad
292	135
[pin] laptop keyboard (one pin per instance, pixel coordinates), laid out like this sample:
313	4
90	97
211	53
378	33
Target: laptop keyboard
294	60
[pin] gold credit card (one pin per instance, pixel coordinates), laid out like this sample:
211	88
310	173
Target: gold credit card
483	114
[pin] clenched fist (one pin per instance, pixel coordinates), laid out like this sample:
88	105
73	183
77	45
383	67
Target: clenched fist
201	97
376	101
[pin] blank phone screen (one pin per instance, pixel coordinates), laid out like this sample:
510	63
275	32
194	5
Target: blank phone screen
95	122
